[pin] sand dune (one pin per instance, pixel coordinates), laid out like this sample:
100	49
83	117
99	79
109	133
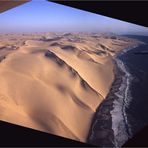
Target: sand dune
54	83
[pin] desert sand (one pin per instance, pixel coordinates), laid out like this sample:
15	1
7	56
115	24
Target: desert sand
54	82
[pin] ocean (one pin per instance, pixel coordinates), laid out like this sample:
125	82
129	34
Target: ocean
124	111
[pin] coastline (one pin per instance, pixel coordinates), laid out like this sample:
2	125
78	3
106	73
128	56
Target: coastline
86	73
120	124
105	126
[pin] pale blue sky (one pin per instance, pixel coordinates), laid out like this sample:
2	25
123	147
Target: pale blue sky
42	16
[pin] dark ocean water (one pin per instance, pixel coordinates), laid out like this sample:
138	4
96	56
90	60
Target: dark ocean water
125	110
130	106
137	64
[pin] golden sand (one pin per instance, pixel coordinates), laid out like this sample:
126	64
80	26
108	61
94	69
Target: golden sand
54	83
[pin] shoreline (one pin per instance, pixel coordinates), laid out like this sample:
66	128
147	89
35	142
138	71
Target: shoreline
122	100
83	86
103	131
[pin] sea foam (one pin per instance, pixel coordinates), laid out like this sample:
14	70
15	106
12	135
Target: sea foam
120	124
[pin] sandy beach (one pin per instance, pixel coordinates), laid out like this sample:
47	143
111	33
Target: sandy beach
54	82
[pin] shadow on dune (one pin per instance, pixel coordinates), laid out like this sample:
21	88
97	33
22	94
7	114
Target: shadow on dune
67	34
68	47
73	72
2	58
3	47
73	97
52	56
64	47
98	52
84	84
105	48
50	39
55	44
8	47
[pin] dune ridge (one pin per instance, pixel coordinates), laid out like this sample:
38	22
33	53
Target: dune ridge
54	82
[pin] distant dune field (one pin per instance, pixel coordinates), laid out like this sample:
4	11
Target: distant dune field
54	82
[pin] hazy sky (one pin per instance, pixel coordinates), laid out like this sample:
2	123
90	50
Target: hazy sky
42	16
